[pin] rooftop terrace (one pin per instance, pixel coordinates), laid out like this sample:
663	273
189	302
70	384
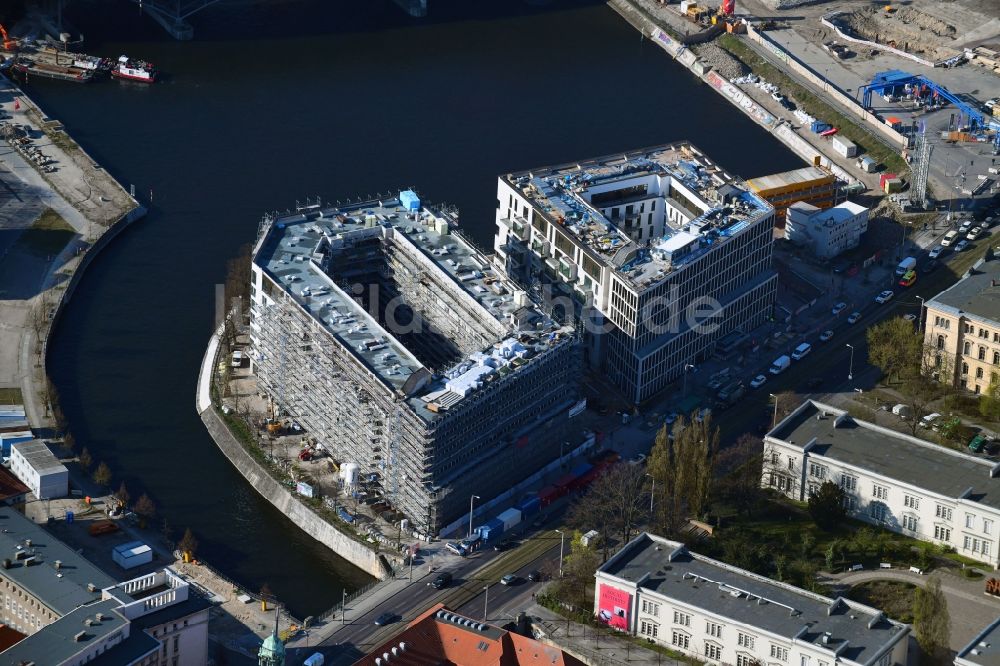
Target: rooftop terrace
666	567
293	250
832	433
717	204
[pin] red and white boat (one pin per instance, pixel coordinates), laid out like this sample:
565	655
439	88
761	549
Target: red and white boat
134	70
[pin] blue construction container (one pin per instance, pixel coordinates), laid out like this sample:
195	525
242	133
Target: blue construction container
491	531
409	200
530	506
818	126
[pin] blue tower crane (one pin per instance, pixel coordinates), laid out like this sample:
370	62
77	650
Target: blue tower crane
894	78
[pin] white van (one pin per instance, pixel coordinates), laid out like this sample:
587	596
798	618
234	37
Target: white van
237	359
949	238
802	351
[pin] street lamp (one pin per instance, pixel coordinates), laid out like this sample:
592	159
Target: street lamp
486	603
684	391
774	419
850	370
471	499
562	538
920	317
343	606
652	492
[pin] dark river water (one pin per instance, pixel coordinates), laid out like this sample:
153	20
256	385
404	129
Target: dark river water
282	100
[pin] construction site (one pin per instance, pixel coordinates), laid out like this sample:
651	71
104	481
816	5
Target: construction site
425	375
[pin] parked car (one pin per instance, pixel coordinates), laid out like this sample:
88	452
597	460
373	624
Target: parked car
910	317
973	234
853	319
965	226
825	336
929	420
758	381
884	297
961	245
535	576
839	307
508	579
936	251
801	351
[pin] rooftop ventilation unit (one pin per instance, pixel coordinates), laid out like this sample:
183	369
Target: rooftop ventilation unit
79	636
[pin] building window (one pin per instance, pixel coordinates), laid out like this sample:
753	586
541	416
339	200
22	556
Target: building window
713	629
982	353
818	471
713	651
779	653
967	348
986	547
942	533
911	502
910	523
650	608
849	503
940	342
885	659
987	526
880	492
682	619
942	512
745	660
970	520
650	629
979	373
848	483
680	639
804	660
745	640
965	368
877	511
791	463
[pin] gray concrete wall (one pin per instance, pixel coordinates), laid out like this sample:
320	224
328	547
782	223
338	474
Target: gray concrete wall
846	103
309	522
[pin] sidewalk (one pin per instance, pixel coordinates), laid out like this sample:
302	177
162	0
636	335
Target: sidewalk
968	605
592	645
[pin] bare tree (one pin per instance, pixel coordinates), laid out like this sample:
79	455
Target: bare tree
785	403
238	276
615	504
741	470
102	475
123	495
188	544
145	508
85	459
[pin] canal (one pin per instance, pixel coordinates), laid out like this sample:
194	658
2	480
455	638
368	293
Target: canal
278	101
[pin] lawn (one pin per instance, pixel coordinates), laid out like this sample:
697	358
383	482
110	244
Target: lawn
11	396
814	105
893	597
47	236
781	541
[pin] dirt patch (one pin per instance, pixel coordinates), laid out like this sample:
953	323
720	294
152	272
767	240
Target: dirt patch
895	598
907	29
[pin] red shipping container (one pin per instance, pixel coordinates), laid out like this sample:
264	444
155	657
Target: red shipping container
884	177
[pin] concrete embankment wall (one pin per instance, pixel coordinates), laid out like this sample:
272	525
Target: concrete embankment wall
846	102
89	255
358	554
354	552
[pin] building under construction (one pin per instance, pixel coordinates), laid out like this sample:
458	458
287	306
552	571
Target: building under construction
396	345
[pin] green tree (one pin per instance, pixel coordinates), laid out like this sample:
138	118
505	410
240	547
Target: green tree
683	467
578	572
826	506
989	402
931	623
895	348
102	475
808	542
